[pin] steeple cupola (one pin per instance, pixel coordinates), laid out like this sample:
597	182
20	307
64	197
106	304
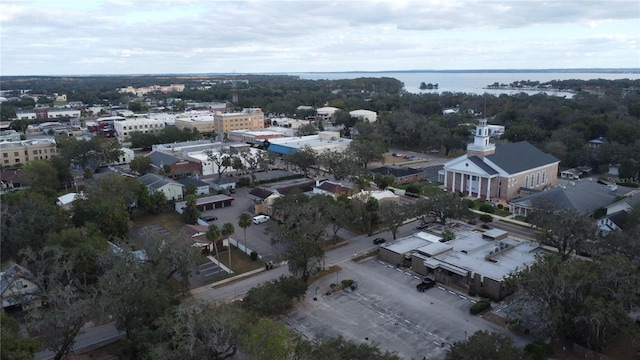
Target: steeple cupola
481	146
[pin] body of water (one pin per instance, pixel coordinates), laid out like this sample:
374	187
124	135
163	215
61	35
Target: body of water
472	82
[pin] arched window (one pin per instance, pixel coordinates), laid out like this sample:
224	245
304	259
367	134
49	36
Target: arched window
544	177
538	178
526	181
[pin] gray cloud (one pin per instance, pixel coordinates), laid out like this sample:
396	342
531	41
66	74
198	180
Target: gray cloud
280	36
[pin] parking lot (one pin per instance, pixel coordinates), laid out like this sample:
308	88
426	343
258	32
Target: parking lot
387	309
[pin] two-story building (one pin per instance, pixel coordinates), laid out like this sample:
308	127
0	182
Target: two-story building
23	152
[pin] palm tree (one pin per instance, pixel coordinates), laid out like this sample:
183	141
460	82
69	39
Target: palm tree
212	235
244	221
227	230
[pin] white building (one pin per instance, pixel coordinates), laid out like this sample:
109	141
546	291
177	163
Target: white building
124	128
364	115
209	167
126	157
326	113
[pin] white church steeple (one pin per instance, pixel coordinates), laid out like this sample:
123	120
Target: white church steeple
481	142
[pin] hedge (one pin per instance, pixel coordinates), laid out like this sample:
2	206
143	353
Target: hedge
479	307
486	218
487	208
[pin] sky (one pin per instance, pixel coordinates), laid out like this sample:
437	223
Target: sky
85	37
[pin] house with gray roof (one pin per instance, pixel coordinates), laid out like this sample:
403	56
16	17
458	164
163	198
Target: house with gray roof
202	188
402	174
172	189
617	213
498	173
177	167
584	195
17	288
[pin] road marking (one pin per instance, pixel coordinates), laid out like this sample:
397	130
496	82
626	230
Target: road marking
408	273
441	288
407	321
452	292
416	277
397	269
462	297
381	262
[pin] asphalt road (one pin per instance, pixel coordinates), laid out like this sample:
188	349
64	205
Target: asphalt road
87	339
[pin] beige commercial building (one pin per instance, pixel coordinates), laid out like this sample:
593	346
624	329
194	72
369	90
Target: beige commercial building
23	152
248	119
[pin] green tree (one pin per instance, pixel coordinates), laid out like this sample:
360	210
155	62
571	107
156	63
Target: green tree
369	148
446	206
244	221
255	161
19	125
302	232
304	159
41	176
221	158
393	215
12	345
213	234
227	231
339	164
190	214
26	218
200	332
269	340
141	164
341	349
384	181
485	345
566	230
69	303
583	301
307	129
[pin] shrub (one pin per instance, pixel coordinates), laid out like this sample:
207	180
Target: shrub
470	204
332	285
244	182
500	206
487	208
413	188
539	350
479	307
448	235
486	218
472	292
254	256
347	282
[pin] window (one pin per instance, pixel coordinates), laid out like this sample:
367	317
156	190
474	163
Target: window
544	177
5	155
6	161
15	153
526	181
35	152
538	178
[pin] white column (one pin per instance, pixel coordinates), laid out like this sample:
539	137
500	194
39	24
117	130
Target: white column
445	179
453	181
469	183
479	186
488	189
462	183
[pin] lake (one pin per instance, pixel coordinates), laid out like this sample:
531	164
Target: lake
472	82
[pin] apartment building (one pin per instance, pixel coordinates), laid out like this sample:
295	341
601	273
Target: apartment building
202	120
23	152
247	119
44	114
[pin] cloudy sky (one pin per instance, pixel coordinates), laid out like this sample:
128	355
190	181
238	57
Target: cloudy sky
58	37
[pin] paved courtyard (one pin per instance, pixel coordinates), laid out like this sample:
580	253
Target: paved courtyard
387	309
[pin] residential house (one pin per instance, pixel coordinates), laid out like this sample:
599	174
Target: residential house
10	179
617	213
597	142
172	189
264	195
572	174
402	174
380	195
178	168
223	183
499	172
66	201
202	188
331	188
17	288
208	203
584	195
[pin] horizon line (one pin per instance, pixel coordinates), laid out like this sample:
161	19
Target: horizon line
235	73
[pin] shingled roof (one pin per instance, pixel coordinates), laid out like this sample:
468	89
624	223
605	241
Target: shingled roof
396	170
521	156
160	159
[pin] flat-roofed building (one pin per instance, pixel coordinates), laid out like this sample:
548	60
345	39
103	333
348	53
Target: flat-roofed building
324	140
364	115
250	119
254	137
23	152
326	113
203	121
124	128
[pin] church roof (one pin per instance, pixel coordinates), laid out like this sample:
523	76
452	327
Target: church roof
476	160
521	156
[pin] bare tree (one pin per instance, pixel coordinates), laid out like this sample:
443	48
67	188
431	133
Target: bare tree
221	158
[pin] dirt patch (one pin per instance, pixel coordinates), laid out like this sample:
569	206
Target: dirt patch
498	320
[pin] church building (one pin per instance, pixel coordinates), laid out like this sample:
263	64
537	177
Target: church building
499	173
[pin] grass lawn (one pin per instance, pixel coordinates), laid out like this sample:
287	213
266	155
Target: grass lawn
240	262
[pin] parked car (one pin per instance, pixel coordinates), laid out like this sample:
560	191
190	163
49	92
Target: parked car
379	241
260	219
422	226
425	285
209	218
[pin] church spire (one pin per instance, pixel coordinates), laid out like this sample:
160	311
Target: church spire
481	145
